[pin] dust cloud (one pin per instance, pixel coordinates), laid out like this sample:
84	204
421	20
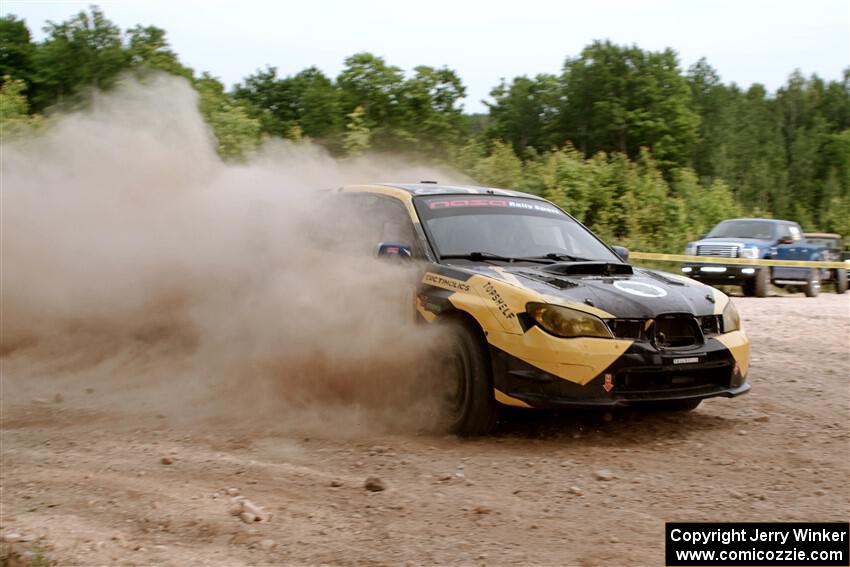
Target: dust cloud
140	273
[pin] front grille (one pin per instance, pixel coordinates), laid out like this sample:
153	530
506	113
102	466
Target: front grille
675	331
634	329
642	329
721	250
653	380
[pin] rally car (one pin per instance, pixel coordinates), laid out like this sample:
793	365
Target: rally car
542	313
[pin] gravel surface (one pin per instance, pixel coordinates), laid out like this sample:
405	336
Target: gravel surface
86	481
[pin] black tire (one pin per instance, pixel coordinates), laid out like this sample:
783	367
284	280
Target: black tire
469	408
840	281
758	285
812	287
761	283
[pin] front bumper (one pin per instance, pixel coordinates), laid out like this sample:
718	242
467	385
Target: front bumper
719	274
641	375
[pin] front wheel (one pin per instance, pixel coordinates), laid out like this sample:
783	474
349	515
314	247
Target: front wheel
812	287
758	285
468	406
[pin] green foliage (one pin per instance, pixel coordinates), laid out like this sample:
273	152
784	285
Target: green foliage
429	110
705	205
15	119
642	153
419	114
368	82
501	168
625	99
525	112
16	49
565	178
78	56
236	132
309	100
357	135
148	50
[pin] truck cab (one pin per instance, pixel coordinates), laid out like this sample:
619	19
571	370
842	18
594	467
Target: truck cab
755	238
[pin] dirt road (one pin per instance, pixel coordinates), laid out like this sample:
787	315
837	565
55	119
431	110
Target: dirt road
87	481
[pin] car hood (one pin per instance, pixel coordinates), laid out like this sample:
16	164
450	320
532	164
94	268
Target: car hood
627	293
736	240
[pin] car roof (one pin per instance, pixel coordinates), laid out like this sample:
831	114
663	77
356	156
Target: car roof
758	219
433	188
822	235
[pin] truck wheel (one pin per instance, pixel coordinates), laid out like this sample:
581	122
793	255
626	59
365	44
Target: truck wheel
469	408
812	284
761	283
840	281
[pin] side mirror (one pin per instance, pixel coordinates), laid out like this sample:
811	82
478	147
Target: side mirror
787	240
622	252
701	236
397	251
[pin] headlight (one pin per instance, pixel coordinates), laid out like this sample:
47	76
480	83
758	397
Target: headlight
731	319
750	252
691	249
568	323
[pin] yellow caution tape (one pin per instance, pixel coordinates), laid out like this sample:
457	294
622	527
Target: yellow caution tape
736	261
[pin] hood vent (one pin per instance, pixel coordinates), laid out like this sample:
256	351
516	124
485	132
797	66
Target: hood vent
554	282
589	269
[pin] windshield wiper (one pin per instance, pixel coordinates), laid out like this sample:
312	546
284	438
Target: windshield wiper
559	257
479	256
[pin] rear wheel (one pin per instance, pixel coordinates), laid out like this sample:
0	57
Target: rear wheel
812	287
468	406
840	281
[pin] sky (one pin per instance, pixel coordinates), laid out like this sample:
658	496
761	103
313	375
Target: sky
746	41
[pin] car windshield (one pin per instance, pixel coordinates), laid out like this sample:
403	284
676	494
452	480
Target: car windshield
762	230
509	227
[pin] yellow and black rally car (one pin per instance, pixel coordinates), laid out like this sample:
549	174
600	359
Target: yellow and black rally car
546	315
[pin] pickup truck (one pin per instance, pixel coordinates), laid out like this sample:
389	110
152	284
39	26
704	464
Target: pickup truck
836	251
759	239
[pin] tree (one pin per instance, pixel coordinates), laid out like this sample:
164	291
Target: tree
526	112
15	119
712	101
367	81
148	49
269	99
308	100
236	132
86	52
429	111
562	176
16	49
318	105
501	168
357	135
624	99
